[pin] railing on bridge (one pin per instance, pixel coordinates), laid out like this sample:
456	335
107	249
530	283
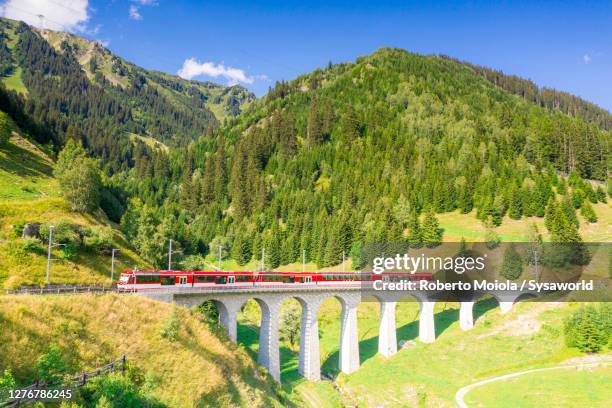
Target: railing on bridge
59	289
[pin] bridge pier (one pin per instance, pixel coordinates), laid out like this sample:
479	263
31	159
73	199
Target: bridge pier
387	337
466	315
427	327
349	341
268	338
309	359
505	306
228	315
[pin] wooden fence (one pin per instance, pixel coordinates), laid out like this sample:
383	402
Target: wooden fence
73	382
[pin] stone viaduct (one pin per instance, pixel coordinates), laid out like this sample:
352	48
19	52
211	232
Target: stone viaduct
230	300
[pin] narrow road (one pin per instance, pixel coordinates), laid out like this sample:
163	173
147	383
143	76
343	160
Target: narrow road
459	397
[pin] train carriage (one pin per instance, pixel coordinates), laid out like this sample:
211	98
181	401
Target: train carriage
136	280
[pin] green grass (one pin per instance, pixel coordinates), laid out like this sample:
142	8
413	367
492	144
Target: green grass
149	141
25	171
588	387
14	82
199	369
426	374
457	225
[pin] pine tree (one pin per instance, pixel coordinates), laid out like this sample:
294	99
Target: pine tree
512	264
498	211
315	123
415	237
241	250
515	210
431	231
587	212
569	210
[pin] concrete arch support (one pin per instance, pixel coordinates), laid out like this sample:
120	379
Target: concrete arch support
427	328
466	315
505	306
387	338
309	358
349	341
268	337
228	315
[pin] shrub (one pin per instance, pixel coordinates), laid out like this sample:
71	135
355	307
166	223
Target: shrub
116	391
7	382
32	244
588	328
99	239
64	232
194	263
51	366
290	324
209	312
170	330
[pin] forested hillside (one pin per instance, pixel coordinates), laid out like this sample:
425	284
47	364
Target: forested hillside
546	97
368	152
59	86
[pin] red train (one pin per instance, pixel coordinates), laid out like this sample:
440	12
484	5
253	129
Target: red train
134	280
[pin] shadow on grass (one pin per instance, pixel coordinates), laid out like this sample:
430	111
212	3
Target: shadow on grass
368	348
248	335
483	306
22	162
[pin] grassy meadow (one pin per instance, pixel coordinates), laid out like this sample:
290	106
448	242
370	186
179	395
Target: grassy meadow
199	368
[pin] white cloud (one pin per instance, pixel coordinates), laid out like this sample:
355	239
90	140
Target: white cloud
192	68
134	10
135	13
586	58
59	15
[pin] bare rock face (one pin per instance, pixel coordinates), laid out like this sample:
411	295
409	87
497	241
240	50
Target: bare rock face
31	230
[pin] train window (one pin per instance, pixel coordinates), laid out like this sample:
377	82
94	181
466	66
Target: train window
168	280
289	279
220	280
147	279
243	278
270	278
182	280
231	279
205	279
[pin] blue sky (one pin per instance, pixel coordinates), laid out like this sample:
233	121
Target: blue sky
566	45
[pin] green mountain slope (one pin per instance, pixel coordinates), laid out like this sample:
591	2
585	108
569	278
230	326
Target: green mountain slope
30	195
356	154
66	86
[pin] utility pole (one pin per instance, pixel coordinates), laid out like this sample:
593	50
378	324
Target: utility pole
343	261
113	251
304	260
49	252
263	256
170	256
51	246
170	252
220	254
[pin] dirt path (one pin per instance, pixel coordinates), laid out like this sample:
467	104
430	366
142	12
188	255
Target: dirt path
459	397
